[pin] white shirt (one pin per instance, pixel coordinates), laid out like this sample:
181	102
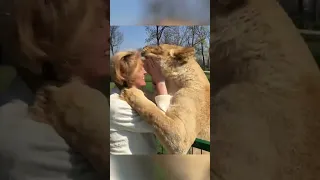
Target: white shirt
33	150
129	133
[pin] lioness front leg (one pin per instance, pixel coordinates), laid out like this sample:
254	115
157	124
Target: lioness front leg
80	120
170	131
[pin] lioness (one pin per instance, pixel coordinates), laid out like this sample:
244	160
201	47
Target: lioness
188	116
266	96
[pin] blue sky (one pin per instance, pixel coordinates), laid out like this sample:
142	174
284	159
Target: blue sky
125	12
133	37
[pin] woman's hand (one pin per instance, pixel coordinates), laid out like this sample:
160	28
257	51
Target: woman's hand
153	68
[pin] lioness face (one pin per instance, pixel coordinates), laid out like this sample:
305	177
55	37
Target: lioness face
172	60
169	54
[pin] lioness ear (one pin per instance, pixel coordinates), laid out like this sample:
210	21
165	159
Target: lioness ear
182	53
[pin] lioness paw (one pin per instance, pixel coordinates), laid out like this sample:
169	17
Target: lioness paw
135	98
39	110
131	94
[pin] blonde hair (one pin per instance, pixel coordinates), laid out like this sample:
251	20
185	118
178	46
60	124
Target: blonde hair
124	66
53	30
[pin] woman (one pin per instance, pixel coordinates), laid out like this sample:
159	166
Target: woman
57	39
129	133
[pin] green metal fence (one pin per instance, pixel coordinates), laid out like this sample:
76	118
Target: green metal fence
201	144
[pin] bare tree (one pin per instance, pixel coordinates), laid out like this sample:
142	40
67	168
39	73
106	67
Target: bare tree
203	34
194	36
116	39
175	35
154	33
167	36
180	35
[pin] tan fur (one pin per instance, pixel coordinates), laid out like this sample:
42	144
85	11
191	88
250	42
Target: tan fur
266	95
188	116
80	115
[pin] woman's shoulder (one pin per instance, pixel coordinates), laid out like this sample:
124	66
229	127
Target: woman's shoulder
120	108
116	101
117	104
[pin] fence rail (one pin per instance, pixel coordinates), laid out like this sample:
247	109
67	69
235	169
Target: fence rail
201	144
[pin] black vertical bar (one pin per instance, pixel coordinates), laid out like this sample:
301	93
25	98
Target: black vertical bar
1	54
301	14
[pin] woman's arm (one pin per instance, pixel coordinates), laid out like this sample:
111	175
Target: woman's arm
162	99
163	102
160	95
161	88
